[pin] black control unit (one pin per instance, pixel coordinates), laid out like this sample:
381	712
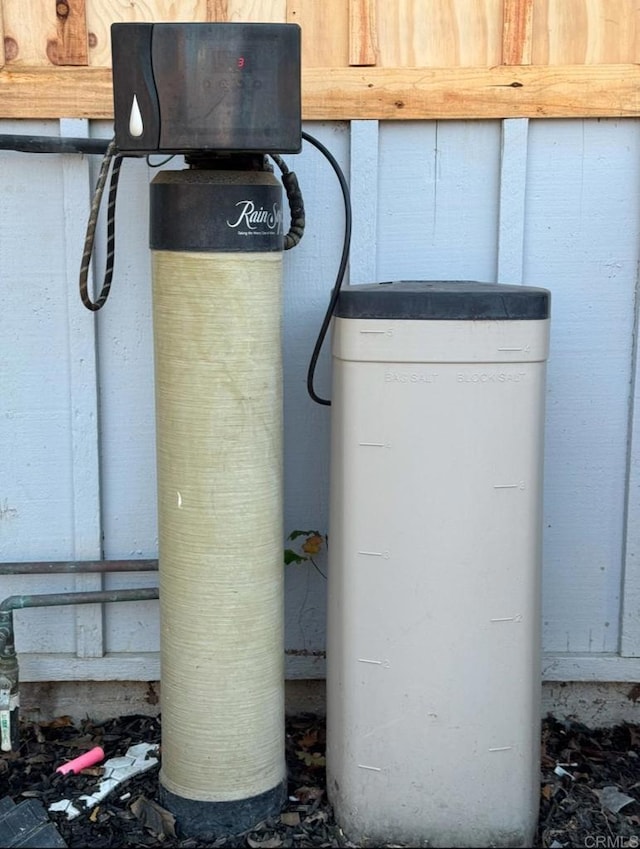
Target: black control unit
198	87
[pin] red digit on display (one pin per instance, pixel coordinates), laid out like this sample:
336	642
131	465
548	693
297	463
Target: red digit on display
241	61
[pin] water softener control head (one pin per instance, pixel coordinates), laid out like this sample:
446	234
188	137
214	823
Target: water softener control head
199	87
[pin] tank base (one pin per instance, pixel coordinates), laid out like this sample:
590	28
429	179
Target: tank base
195	818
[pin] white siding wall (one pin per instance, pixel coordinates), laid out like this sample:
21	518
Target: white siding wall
549	203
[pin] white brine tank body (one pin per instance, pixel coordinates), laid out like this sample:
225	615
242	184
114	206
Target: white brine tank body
433	658
216	240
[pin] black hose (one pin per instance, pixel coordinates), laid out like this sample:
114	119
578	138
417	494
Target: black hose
335	292
52	144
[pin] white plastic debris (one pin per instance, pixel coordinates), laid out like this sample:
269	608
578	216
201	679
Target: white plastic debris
116	770
560	770
67	807
613	799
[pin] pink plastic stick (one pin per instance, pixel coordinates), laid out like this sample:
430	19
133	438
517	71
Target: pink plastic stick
93	756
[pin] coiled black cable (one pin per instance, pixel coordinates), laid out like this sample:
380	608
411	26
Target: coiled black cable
296	203
109	157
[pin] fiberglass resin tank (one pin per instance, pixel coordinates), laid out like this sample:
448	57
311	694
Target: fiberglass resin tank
433	660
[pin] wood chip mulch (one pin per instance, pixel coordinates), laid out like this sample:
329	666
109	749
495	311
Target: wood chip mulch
590	787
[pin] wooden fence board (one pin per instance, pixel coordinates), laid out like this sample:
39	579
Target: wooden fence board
439	33
517	31
567	32
410	59
2	53
102	13
497	92
30	29
71	46
371	93
320	50
363	46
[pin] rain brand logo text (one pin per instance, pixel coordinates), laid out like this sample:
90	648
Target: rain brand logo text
252	218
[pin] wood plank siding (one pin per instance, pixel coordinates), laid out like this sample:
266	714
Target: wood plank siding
362	59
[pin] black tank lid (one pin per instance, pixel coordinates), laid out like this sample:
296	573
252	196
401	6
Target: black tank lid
440	300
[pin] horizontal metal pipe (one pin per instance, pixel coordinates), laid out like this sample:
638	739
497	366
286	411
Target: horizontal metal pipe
56	567
18	602
9	670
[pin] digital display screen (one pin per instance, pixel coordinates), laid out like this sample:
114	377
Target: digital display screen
228	86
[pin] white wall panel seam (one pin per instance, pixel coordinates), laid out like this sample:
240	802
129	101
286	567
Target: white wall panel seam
511	210
630	590
364	201
83	407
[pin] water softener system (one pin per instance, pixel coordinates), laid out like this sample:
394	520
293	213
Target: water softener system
436	476
224	96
